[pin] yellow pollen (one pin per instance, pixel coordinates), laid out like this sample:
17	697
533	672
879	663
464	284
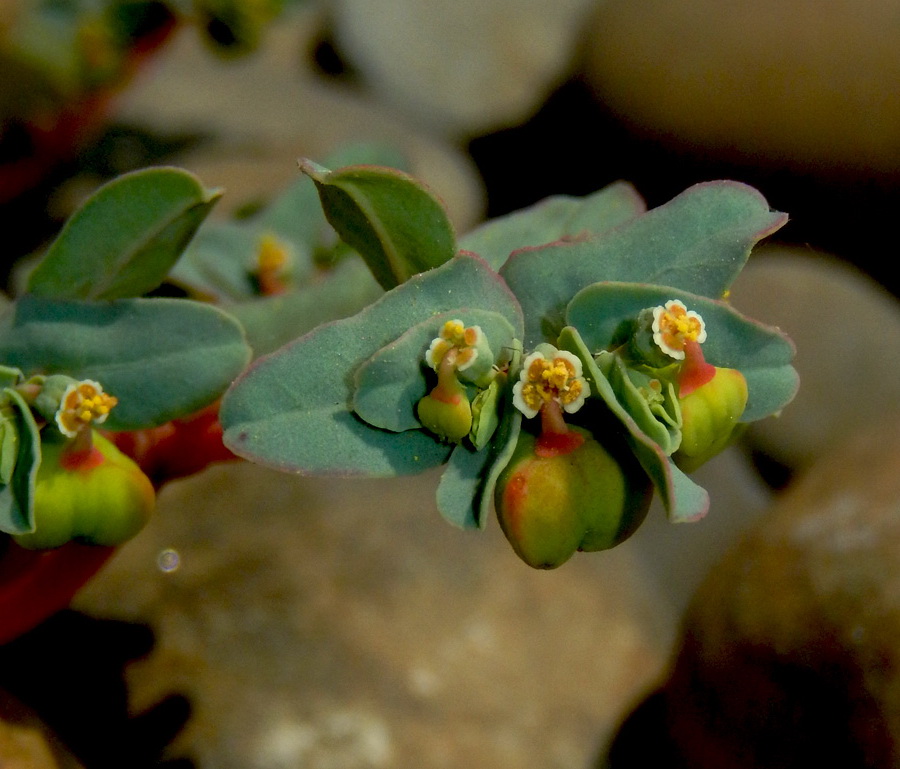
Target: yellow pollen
455	333
549	380
272	255
82	405
677	326
454	336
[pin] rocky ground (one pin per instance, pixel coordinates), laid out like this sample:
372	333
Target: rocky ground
265	621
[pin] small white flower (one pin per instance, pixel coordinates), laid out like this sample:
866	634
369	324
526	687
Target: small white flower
83	403
674	325
553	375
454	334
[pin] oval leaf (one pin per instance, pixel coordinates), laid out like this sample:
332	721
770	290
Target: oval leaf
162	358
218	261
392	220
272	322
124	240
699	241
296	215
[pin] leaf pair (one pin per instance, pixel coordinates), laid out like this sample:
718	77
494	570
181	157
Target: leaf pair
82	315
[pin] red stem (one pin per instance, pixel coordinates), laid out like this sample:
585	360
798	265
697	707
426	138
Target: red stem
556	438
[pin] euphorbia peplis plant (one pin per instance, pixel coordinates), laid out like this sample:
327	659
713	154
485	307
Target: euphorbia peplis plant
82	350
561	361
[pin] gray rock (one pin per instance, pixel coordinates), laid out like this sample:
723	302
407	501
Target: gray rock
26	742
847	332
462	67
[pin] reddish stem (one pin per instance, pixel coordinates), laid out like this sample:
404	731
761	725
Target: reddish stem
556	438
695	371
447	389
81	454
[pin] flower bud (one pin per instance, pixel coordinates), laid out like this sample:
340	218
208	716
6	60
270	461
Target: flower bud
97	496
551	506
710	417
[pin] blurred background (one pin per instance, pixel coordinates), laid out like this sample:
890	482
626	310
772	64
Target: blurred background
298	627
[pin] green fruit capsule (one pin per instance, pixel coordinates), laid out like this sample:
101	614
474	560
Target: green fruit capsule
710	417
446	411
551	506
98	496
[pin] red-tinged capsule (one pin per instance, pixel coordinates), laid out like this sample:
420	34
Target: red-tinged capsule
551	505
92	494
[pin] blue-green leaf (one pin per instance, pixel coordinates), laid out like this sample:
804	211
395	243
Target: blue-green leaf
124	240
554	218
396	224
218	262
292	409
21	436
162	358
699	241
296	214
220	259
273	321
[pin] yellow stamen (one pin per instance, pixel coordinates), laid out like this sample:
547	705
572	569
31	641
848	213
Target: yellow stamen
454	335
273	254
674	326
547	380
82	404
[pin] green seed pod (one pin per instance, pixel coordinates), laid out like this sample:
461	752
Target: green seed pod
620	506
99	496
551	506
710	417
446	411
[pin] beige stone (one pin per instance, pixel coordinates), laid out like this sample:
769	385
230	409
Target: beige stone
25	742
847	332
263	111
320	623
462	67
790	81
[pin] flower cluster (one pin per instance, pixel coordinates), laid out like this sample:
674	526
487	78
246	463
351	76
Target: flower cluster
272	265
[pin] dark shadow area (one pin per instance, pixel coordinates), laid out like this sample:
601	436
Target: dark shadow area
574	146
69	671
29	220
755	711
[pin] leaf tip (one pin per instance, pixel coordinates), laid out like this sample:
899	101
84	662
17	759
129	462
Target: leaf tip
313	170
